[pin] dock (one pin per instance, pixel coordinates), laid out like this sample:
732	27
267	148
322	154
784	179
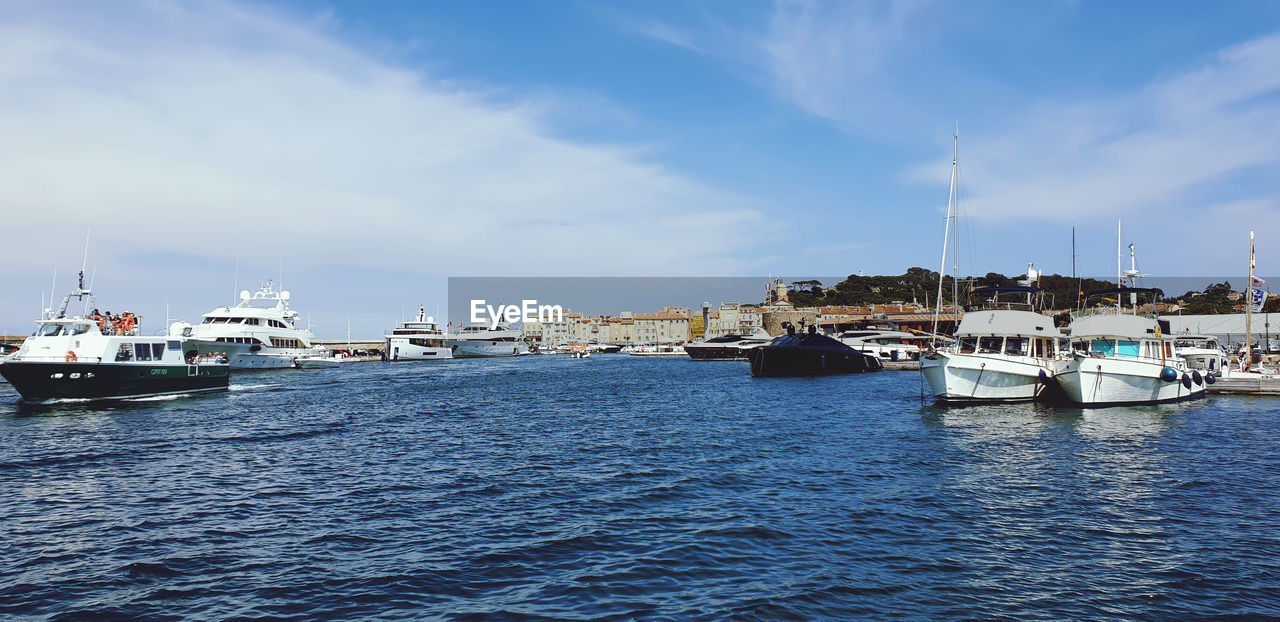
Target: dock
1245	386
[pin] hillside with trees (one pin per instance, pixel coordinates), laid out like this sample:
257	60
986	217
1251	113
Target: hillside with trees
921	285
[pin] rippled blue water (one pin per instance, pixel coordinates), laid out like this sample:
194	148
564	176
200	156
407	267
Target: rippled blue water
620	487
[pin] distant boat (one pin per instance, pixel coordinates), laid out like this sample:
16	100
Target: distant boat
799	353
479	341
730	347
419	339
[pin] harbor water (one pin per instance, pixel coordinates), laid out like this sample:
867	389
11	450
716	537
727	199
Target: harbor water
622	487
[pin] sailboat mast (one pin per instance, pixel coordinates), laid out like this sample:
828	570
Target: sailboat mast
1248	313
955	227
946	237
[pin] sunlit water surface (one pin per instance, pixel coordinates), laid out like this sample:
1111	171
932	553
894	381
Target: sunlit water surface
617	487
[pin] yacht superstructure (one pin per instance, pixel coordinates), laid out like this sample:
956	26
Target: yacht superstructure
257	333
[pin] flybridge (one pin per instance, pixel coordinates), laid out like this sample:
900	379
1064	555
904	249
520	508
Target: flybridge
526	311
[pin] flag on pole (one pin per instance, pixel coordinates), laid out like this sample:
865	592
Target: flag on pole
1257	298
1258	281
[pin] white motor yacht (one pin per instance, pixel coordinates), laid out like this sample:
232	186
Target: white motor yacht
883	339
480	341
1121	357
727	347
1202	353
1005	351
419	339
256	333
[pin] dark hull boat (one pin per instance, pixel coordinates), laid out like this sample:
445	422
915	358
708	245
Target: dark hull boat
800	354
42	381
72	357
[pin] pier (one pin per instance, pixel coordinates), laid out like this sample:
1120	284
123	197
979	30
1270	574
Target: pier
1245	386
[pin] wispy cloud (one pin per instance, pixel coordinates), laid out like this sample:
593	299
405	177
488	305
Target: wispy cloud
1172	143
215	128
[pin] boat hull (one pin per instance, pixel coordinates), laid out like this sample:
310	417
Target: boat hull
1096	381
715	353
967	378
776	361
46	380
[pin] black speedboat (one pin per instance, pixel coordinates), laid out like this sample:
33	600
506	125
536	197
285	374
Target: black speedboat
808	354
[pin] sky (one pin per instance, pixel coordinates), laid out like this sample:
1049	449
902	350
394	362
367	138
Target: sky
362	153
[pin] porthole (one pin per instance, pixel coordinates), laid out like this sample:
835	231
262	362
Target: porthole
56	376
75	375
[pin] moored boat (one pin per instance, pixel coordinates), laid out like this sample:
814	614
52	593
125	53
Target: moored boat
419	339
1005	351
801	353
730	347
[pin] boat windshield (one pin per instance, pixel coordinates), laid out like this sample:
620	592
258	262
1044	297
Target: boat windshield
52	329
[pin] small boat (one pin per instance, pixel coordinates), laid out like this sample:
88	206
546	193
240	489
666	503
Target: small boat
316	362
800	353
657	350
71	357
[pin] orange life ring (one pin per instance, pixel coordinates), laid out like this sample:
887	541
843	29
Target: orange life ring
70	357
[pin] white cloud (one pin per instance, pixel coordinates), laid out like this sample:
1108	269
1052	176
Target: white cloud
218	129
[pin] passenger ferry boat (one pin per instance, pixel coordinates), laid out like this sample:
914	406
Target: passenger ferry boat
419	339
1005	351
257	333
71	357
479	341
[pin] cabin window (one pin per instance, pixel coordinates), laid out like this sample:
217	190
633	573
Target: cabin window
125	353
1102	347
1168	350
1127	348
1015	346
47	330
1211	362
157	351
253	321
79	329
989	345
175	345
142	351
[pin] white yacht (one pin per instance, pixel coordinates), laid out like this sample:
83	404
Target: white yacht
1124	358
257	333
1005	351
480	341
1202	353
881	338
419	339
1120	357
729	347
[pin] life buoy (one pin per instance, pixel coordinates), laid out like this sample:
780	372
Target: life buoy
70	357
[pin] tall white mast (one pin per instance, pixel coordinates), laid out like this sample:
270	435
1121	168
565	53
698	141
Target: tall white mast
1248	313
1119	270
946	237
954	200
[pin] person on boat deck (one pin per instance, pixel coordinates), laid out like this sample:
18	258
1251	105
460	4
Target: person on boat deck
97	319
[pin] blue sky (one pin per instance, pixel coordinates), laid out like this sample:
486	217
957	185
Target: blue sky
370	150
